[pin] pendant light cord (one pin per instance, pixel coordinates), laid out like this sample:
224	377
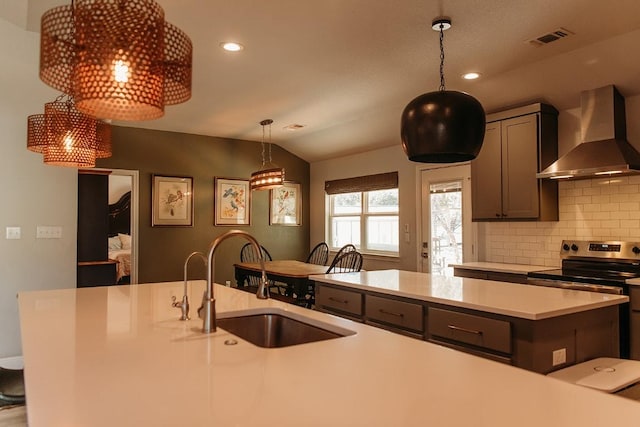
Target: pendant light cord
270	143
263	161
441	56
264	152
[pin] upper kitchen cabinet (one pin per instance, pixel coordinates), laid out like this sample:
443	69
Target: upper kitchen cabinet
518	143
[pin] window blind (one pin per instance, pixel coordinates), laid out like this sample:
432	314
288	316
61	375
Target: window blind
381	181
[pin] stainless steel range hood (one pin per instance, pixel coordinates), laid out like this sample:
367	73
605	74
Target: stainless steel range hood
604	149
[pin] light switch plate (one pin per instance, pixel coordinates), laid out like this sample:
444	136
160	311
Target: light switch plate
13	232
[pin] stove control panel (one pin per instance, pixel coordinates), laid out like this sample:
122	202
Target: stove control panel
600	249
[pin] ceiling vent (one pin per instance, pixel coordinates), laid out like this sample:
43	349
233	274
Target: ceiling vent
293	127
552	36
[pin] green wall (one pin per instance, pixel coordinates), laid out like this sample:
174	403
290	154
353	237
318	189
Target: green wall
162	250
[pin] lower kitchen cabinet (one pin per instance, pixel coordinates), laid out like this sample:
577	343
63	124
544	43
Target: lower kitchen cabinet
542	345
634	332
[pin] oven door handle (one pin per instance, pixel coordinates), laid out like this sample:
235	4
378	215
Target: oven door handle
578	286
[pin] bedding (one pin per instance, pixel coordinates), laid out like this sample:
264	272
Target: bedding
123	256
120	251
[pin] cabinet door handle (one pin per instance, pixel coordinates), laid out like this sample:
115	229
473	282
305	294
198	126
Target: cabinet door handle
469	331
391	313
341	301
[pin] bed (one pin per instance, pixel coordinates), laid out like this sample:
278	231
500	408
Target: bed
120	236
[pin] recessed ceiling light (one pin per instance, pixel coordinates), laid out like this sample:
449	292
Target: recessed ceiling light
470	76
231	46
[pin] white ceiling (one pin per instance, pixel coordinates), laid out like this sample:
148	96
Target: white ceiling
346	68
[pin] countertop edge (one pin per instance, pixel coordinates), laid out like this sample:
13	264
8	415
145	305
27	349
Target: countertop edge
614	299
498	267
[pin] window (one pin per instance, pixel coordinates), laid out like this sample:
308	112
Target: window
367	219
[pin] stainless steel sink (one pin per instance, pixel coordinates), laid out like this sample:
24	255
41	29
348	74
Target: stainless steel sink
278	328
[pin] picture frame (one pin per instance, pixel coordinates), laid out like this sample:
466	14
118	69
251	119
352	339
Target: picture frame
172	201
285	207
232	201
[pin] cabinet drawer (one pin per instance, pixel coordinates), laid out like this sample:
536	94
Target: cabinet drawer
469	329
339	299
403	314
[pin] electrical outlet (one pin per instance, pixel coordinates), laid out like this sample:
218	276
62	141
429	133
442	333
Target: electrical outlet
227	283
559	356
47	232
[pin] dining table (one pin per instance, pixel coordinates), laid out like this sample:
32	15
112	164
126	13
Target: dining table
294	274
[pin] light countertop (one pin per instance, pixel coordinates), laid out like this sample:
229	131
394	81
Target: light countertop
510	299
119	356
633	282
501	267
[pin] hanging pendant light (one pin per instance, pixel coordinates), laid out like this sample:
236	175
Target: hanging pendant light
443	126
119	58
66	137
269	176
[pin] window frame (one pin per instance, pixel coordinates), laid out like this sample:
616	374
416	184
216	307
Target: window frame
363	216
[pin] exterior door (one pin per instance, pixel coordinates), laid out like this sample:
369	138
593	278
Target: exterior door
447	233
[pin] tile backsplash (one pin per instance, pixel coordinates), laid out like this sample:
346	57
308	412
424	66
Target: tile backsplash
589	209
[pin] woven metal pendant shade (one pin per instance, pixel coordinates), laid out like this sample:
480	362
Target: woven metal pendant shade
119	59
269	176
66	137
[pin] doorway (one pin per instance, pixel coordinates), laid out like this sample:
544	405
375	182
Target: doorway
447	233
123	197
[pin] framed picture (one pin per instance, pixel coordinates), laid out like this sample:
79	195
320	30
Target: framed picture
232	201
286	205
172	201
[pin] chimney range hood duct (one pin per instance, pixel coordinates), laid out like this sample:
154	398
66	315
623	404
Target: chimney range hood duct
604	149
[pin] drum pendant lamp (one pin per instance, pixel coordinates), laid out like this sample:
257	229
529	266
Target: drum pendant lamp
442	126
119	59
269	176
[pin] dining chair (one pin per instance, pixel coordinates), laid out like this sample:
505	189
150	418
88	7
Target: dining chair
345	249
319	255
249	254
346	262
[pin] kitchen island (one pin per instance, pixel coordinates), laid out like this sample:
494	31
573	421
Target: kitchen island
537	328
119	356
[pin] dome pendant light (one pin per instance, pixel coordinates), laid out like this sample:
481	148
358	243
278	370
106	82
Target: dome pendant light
269	176
443	126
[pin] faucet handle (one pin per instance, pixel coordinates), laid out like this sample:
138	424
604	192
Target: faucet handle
183	306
